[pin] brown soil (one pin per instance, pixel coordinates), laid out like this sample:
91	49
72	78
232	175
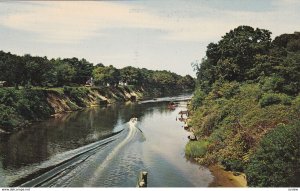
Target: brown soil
224	178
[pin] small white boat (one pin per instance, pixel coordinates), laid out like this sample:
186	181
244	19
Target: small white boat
133	120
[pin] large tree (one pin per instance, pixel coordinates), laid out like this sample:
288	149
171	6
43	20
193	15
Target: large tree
62	73
131	75
83	69
104	75
186	82
233	57
237	50
35	70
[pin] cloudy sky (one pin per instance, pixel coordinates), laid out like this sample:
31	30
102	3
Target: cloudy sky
153	34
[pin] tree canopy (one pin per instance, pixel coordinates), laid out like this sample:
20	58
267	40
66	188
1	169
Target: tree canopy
106	75
30	70
248	54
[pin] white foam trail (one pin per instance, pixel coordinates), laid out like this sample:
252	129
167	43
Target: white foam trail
110	156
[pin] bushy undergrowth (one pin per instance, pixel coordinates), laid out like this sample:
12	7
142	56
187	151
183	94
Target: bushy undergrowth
277	160
8	116
234	117
18	106
76	94
197	99
274	98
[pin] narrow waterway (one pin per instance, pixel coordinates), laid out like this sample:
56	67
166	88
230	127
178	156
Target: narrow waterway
100	147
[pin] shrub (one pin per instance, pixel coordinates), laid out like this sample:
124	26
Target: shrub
33	105
67	89
276	162
233	164
76	94
274	98
8	116
8	96
296	104
230	89
17	106
294	45
272	84
196	148
197	99
209	123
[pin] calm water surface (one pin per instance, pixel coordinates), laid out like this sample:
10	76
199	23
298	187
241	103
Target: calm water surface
99	147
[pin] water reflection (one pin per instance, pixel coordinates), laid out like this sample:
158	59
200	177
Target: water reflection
21	150
70	131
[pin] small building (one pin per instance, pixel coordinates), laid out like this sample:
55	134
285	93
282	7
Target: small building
90	82
3	83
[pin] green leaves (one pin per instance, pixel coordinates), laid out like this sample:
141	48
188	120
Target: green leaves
197	99
245	54
235	53
196	148
104	75
28	71
131	75
233	121
17	106
77	94
247	86
276	163
64	73
274	98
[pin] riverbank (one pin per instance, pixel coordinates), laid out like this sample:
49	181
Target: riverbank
19	108
223	178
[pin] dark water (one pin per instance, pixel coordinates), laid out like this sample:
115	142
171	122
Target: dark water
99	147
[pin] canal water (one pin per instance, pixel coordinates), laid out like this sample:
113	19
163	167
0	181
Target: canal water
100	147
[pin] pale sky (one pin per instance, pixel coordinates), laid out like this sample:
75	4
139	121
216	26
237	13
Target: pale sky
156	34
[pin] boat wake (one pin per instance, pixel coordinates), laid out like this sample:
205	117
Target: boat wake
132	132
61	166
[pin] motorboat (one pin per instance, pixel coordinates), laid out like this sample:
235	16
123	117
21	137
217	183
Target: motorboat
133	120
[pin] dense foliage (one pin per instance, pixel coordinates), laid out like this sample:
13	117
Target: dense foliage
30	71
20	106
247	86
245	54
277	160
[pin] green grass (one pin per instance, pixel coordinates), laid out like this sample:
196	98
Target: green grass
196	148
